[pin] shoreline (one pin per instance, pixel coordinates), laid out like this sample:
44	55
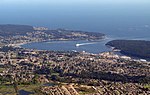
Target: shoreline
19	44
115	47
101	41
47	41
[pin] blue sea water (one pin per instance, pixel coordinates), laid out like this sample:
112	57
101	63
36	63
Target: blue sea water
91	47
118	19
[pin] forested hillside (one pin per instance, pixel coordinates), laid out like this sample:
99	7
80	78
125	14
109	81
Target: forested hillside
138	48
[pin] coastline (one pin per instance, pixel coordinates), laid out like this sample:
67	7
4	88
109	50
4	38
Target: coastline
137	49
48	41
69	45
19	44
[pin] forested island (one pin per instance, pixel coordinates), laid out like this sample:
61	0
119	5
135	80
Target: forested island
136	48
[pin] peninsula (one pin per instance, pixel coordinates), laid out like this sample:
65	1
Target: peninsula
135	48
20	34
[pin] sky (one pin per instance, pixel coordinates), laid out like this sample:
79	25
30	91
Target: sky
57	3
74	1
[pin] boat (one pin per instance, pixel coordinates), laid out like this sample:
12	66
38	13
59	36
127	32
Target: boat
77	45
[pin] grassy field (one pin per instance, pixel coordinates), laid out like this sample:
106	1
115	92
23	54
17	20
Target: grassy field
9	90
147	86
1	70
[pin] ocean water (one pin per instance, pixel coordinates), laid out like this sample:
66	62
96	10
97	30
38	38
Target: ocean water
118	19
91	47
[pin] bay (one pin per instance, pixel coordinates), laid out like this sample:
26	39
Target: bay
91	47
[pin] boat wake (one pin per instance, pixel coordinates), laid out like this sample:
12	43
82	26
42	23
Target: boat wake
82	44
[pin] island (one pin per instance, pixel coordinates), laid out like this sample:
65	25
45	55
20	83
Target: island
135	48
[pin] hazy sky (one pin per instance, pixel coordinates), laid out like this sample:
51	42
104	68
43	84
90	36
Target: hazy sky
74	1
63	3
